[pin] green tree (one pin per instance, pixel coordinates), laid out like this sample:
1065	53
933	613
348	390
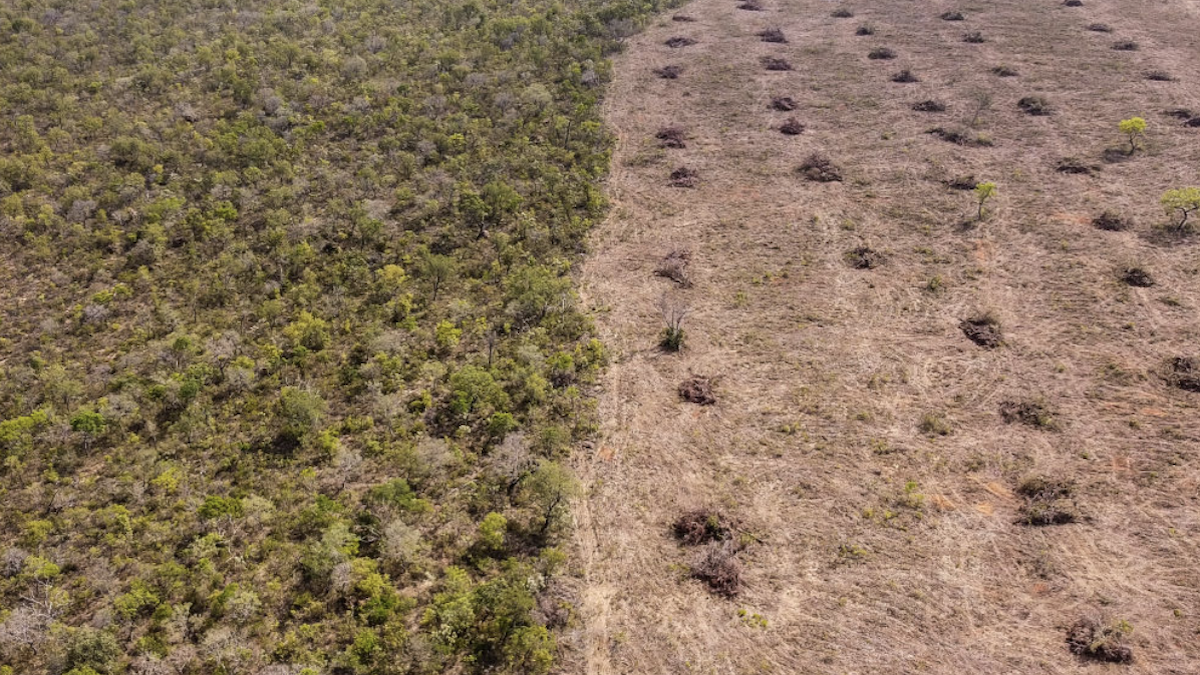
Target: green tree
298	412
984	192
1134	128
550	489
1181	202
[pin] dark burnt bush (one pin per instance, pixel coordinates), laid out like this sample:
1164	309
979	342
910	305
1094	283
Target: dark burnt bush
1034	105
1183	372
1194	122
842	13
1073	3
783	103
773	35
775	63
967	182
1160	76
684	177
672	137
701	526
952	16
1005	71
865	258
1180	113
881	54
1093	639
1047	502
1125	46
1099	28
1135	275
669	72
751	6
956	136
1030	412
1073	165
792	127
682	18
865	29
678	41
820	168
698	389
974	37
1111	222
718	567
983	330
929	106
905	76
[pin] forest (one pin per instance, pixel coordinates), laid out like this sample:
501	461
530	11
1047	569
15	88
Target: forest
290	352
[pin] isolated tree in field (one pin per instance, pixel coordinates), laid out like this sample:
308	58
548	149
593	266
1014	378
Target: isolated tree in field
1133	128
1181	202
984	192
674	311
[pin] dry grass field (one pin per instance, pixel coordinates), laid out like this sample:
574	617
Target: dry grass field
875	463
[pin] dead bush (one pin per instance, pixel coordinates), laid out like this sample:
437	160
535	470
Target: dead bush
821	169
929	106
1111	222
1076	166
1135	275
956	136
1034	105
684	177
675	266
1092	638
701	526
1005	71
1030	412
967	182
669	72
672	137
784	103
751	6
865	258
773	35
865	29
1125	46
952	16
842	13
718	567
1194	122
678	41
792	127
682	18
905	76
699	390
1160	76
974	37
881	54
1183	372
775	64
1180	113
1047	502
1099	28
1073	3
983	330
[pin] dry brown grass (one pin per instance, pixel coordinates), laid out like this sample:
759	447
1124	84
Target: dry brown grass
827	369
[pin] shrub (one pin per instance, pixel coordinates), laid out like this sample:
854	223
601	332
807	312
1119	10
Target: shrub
698	389
929	105
1032	412
905	76
934	424
775	64
1099	28
783	103
669	72
952	16
881	54
842	13
1160	76
1183	372
718	567
773	35
1047	502
983	330
864	30
984	192
791	127
679	41
673	313
674	266
1125	46
974	37
1005	71
1135	275
1034	105
701	526
683	177
1112	222
821	169
672	137
864	258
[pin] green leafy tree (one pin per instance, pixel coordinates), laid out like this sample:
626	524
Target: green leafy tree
550	489
983	192
1134	128
1181	203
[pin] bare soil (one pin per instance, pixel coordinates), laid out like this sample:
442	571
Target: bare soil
879	548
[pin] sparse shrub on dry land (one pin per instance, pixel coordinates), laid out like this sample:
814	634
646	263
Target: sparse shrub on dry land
983	330
783	103
967	182
718	567
1005	71
1099	28
881	54
673	311
842	13
1134	129
1100	640
702	526
1073	3
974	37
864	258
751	5
934	424
676	267
820	168
682	18
1074	165
1160	76
905	76
1136	275
983	193
952	16
864	30
1125	46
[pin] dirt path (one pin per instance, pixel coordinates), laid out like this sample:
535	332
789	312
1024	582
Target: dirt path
883	545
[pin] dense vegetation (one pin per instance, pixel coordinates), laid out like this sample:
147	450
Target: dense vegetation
290	356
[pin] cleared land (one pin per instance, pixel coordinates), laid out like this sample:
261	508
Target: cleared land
877	461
